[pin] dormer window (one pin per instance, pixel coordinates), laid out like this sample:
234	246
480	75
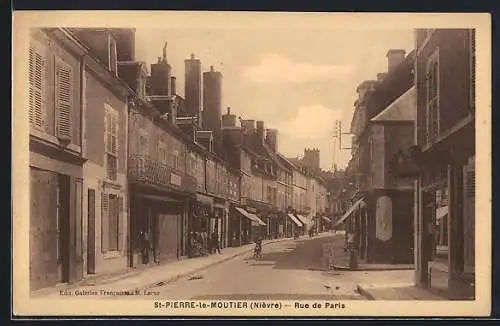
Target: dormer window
112	59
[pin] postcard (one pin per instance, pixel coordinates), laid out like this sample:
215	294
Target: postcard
251	164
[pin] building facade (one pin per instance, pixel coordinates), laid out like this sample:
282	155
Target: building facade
56	158
445	154
381	211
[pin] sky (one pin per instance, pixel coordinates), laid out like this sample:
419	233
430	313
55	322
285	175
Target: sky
297	78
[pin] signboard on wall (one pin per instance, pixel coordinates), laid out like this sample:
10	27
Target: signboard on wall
175	179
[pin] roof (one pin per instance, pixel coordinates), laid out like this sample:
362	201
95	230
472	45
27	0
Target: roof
402	109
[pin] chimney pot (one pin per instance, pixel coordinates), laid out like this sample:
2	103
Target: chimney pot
211	68
228	110
192	56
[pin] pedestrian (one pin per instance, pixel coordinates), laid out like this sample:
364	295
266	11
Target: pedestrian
215	244
145	245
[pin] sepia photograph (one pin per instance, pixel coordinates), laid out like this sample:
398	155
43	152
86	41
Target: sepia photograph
251	164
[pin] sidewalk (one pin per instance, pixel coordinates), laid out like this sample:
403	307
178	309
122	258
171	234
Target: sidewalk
148	277
404	291
340	259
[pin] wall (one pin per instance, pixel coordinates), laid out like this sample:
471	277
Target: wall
453	78
399	137
53	50
97	95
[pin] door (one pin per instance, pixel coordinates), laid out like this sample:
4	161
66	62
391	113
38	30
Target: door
43	236
63	219
91	232
77	240
167	234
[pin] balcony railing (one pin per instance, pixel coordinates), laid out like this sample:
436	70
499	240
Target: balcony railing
143	169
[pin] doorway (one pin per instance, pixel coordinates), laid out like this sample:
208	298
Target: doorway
63	227
91	232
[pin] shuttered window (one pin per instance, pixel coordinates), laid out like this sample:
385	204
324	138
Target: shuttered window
432	87
111	222
37	85
63	99
473	69
111	142
104	221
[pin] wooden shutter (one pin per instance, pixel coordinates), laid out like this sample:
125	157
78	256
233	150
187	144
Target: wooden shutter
37	78
104	221
473	69
121	210
64	99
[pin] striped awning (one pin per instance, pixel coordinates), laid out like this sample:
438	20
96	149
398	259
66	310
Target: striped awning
358	204
295	220
250	216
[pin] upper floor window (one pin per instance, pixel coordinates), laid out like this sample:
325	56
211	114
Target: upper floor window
432	83
162	151
112	55
143	143
472	35
111	141
37	86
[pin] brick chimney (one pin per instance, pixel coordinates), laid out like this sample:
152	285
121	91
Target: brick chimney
228	119
173	89
272	139
394	58
248	126
261	131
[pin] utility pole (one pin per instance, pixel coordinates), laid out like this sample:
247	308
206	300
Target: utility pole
337	136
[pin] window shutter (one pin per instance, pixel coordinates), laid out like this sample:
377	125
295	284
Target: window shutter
114	134
121	210
473	69
37	75
64	99
104	221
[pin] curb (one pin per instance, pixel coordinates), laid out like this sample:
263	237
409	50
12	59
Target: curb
184	274
364	293
372	269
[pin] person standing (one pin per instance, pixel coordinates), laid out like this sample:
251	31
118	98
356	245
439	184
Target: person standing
145	245
215	244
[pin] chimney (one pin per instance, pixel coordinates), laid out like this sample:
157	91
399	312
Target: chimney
173	89
260	131
272	139
228	119
248	126
394	58
192	56
212	68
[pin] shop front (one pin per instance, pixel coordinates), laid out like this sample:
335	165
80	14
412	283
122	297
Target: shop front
158	226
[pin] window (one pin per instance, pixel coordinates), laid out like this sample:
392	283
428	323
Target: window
111	228
64	99
143	143
432	77
112	55
111	142
472	69
162	151
37	86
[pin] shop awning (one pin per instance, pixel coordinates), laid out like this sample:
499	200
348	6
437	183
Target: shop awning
441	212
326	219
295	220
250	216
358	204
301	218
165	199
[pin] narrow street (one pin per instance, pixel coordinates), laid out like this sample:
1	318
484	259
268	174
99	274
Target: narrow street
289	270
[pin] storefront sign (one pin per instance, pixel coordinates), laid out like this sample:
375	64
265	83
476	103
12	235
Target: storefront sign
175	179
